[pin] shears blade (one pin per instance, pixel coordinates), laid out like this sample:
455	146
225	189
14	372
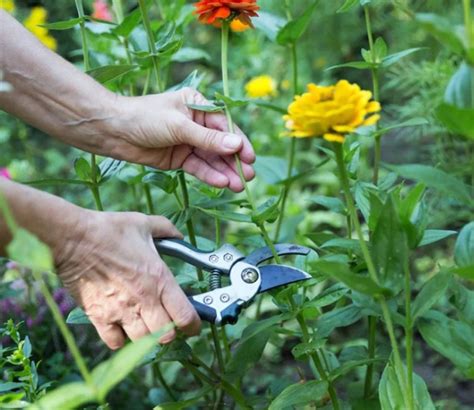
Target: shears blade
282	249
274	276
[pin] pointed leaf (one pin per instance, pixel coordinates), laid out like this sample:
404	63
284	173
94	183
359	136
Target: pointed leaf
299	394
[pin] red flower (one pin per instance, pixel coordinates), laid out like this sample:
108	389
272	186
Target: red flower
211	10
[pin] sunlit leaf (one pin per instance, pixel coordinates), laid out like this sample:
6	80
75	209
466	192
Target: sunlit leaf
302	393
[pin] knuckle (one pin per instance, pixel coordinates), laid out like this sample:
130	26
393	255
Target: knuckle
168	337
186	318
208	138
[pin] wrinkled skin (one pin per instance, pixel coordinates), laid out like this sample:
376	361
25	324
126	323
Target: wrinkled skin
115	273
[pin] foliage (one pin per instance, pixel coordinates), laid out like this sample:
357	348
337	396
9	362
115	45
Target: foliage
388	212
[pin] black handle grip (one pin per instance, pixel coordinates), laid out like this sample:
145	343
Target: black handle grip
205	312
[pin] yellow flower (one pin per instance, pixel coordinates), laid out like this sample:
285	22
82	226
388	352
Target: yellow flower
36	18
331	112
237	26
7	5
261	86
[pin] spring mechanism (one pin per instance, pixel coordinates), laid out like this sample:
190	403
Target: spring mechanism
214	280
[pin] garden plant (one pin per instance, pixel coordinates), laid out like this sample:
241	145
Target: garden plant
361	113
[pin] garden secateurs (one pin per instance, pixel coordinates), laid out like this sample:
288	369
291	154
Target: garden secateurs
222	305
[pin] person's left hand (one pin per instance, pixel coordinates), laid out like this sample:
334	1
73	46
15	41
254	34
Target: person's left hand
162	132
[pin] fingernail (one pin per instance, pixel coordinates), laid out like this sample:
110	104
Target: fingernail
232	141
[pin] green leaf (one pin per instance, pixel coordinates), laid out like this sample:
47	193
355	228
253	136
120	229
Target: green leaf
294	29
30	252
466	272
328	296
110	167
451	338
192	81
267	212
230	102
83	169
269	106
391	394
331	203
348	5
359	65
297	394
262	325
271	169
187	403
342	273
227	215
430	293
125	28
413	122
464	248
206	108
340	317
380	49
111	372
110	72
442	29
78	317
63	25
435	235
162	180
187	54
56	181
389	247
458	92
9	386
457	120
343	243
302	350
269	24
66	397
394	58
247	353
436	179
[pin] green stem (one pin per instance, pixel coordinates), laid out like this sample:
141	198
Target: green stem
337	147
409	335
151	42
371	350
67	335
230	125
159	375
148	197
118	9
192	239
468	23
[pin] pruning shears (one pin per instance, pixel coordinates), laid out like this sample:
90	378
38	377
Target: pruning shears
222	305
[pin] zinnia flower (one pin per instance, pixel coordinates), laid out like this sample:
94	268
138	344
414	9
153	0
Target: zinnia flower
211	11
36	18
4	173
331	112
7	5
261	86
101	10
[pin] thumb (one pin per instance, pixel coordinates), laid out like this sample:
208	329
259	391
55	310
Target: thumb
161	227
222	143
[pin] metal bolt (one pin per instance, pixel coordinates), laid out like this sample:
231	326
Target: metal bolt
228	257
249	275
208	300
225	297
213	258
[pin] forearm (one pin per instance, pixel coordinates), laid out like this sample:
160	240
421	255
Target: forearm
50	93
54	221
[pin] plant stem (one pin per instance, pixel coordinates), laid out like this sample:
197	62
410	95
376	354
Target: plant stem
151	42
159	375
409	335
337	147
68	337
468	23
230	125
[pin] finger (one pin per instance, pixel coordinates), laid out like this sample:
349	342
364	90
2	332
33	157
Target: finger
219	122
111	334
216	162
179	308
219	142
135	328
247	169
156	318
202	170
161	227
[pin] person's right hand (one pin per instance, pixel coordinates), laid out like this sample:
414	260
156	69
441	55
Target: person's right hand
114	272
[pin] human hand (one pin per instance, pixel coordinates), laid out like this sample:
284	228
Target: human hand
115	273
161	131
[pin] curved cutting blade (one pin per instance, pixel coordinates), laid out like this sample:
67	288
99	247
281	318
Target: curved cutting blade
263	254
274	276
